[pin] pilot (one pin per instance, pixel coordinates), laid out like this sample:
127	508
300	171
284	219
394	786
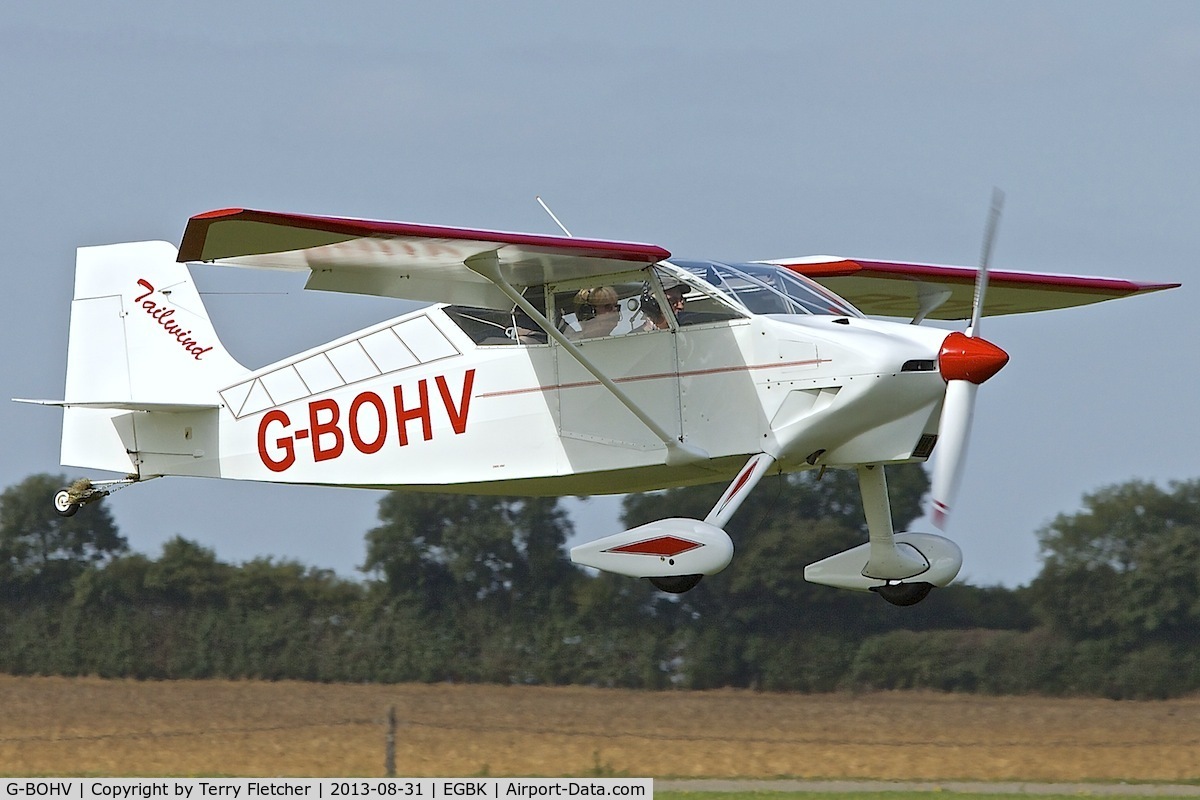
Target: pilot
597	311
655	318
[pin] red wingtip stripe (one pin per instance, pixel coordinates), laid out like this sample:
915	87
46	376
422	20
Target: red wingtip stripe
825	269
220	212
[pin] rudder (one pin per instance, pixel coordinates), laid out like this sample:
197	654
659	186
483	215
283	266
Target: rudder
140	338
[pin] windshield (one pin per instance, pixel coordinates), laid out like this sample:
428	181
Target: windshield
768	289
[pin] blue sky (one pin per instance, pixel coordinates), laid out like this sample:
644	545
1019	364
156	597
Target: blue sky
737	131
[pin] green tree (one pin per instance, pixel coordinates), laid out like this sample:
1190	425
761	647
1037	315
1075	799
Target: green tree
264	583
1127	566
432	547
502	551
42	551
188	573
542	574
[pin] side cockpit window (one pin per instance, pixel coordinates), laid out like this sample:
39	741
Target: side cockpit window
599	310
662	298
489	326
696	303
655	301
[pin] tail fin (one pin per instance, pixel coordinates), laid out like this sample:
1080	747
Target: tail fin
140	340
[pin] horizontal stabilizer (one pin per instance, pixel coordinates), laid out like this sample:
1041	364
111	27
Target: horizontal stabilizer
123	405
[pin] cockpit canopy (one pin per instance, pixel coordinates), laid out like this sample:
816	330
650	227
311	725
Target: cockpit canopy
680	294
768	289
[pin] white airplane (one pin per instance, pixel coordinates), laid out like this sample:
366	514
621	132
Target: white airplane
551	365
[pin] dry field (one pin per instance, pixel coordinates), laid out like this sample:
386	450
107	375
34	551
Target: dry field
62	726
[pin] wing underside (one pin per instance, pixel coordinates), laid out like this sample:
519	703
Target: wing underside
400	259
435	263
901	289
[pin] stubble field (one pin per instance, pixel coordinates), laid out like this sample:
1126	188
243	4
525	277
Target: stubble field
62	726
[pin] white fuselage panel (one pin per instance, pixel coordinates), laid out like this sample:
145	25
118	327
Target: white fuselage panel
413	402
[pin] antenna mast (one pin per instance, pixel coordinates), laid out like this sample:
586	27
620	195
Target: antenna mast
557	222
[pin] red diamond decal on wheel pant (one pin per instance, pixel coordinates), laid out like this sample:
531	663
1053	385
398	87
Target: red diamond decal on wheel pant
666	546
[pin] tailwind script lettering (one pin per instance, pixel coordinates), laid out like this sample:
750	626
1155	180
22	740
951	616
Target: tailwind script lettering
162	314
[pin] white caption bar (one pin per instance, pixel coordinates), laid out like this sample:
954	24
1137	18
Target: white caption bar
322	788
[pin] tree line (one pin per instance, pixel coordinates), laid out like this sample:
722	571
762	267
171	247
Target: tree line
468	588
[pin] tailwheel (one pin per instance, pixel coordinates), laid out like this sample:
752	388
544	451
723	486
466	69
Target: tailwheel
63	504
676	584
68	500
904	594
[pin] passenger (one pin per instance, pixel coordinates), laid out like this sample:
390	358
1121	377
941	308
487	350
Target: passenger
597	311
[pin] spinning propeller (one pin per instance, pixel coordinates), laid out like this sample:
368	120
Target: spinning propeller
965	361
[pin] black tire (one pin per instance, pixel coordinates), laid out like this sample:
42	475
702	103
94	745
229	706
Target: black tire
676	584
904	594
63	505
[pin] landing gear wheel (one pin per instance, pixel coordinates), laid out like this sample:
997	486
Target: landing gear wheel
63	503
904	594
676	584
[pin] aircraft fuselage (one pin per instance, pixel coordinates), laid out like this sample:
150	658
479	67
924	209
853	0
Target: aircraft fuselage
415	403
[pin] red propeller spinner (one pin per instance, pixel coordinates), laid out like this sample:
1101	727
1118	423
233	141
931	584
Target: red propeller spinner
967	358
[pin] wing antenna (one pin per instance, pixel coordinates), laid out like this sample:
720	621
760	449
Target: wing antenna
557	221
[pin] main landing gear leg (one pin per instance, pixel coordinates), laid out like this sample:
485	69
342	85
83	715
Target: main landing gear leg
674	554
730	501
740	489
901	568
895	563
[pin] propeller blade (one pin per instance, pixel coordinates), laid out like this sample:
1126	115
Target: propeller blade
958	409
985	259
965	362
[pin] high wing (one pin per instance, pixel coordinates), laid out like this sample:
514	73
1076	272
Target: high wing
919	291
435	263
401	259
